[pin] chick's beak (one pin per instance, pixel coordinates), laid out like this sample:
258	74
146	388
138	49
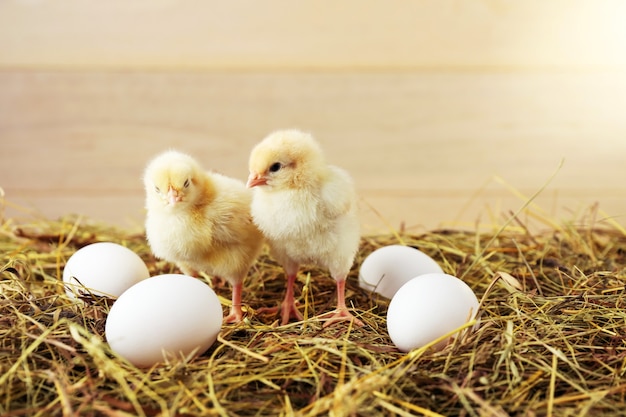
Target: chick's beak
256	179
172	196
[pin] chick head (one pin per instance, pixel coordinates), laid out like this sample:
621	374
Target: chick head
172	178
286	159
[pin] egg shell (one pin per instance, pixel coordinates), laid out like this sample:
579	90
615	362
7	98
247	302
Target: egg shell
103	268
426	308
164	317
388	268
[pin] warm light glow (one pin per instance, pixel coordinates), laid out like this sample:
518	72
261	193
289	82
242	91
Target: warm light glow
323	34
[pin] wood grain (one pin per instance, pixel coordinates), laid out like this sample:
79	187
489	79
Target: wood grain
425	148
320	34
447	113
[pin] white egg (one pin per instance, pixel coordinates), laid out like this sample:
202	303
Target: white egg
103	268
428	307
388	268
164	317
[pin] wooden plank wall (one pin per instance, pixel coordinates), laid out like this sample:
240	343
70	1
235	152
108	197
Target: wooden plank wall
446	112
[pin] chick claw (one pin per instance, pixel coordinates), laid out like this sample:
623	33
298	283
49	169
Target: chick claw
235	316
288	311
340	314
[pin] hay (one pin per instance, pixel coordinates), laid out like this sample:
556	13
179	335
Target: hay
551	340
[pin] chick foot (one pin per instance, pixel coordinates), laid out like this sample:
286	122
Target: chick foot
289	305
289	310
341	313
236	313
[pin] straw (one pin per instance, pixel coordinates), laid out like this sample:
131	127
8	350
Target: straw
551	339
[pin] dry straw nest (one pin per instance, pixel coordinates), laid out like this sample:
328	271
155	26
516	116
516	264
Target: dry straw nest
551	339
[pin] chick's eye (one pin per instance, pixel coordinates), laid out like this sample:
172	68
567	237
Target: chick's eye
276	166
157	189
186	184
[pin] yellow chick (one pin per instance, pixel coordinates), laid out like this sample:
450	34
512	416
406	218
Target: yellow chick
307	211
201	221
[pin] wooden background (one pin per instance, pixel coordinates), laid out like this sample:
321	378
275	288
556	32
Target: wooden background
447	113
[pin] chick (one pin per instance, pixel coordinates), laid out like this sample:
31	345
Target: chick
307	211
201	221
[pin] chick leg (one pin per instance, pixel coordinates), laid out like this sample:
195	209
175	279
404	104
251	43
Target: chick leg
236	313
341	313
288	307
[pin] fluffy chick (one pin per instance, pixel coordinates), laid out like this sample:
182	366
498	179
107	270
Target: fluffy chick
201	221
307	211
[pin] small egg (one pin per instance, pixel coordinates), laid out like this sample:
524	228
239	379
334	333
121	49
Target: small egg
388	268
428	307
103	268
164	317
